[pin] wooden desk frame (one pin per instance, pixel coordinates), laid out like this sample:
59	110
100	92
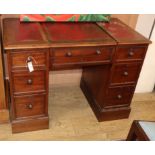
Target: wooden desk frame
111	66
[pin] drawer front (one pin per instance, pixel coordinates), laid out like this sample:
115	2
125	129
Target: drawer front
26	106
25	81
19	59
85	54
119	96
130	53
125	73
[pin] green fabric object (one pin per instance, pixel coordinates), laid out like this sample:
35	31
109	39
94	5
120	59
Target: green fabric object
94	17
65	17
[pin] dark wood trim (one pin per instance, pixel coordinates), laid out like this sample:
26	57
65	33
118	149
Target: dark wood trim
30	124
136	133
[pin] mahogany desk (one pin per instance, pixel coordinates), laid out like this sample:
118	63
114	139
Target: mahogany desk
110	54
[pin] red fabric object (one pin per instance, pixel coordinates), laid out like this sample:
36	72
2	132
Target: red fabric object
64	17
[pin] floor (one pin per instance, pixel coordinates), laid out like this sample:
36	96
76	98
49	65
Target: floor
72	119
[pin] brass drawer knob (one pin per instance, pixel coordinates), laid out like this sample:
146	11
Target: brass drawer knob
29	81
68	54
126	73
98	52
119	96
29	106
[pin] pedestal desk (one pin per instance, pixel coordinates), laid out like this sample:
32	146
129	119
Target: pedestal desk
110	54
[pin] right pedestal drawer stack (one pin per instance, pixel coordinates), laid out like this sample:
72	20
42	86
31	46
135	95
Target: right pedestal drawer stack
124	75
126	66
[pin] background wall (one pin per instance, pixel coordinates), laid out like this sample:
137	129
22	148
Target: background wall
147	76
129	19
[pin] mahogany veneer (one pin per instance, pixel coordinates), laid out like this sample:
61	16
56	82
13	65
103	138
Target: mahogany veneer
110	54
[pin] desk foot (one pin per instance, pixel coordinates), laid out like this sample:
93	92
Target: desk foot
30	124
103	114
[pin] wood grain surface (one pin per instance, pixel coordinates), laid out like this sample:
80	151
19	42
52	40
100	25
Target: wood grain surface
90	46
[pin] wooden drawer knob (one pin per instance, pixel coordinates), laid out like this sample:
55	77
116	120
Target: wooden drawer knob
119	96
29	106
131	53
98	52
126	73
68	54
29	81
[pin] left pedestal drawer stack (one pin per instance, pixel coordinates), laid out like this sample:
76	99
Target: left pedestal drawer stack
29	90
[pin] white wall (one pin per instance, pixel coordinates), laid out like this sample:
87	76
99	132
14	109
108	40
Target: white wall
146	80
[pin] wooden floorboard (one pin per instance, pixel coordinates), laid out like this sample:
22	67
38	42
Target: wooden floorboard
71	118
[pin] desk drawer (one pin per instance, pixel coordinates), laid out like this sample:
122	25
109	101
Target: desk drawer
20	58
119	96
130	53
82	54
25	81
125	73
26	106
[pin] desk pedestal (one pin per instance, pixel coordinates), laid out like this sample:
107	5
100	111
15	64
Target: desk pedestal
94	84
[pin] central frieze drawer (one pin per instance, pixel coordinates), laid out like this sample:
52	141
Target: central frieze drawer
29	106
125	73
81	54
25	81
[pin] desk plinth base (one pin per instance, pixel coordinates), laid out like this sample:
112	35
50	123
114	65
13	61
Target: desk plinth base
30	124
104	114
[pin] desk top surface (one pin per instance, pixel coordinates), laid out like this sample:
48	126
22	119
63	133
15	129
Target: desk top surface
76	32
36	35
122	33
18	35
